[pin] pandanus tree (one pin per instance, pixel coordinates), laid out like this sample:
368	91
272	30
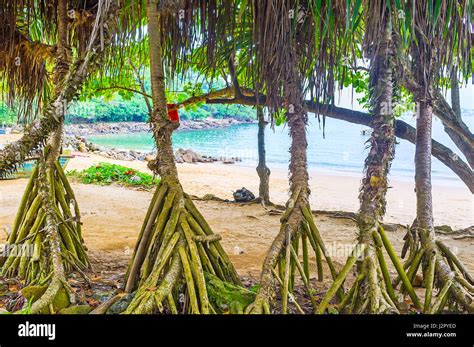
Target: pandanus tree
48	219
292	56
92	38
177	254
372	291
436	35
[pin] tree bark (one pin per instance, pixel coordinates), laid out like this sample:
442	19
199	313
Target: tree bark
63	58
262	169
424	204
455	99
382	142
297	119
162	128
444	111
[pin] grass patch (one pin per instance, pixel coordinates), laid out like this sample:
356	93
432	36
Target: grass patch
105	174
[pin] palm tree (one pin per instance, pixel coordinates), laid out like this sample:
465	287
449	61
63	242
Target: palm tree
177	251
435	34
45	220
27	84
284	65
372	291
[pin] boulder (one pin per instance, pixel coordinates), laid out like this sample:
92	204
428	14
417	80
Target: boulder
196	156
121	156
81	146
187	158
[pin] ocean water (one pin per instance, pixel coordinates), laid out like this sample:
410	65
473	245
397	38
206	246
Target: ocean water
342	150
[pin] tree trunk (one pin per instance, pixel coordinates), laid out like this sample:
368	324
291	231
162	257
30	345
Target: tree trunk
442	107
162	128
455	99
372	291
63	58
176	246
297	224
424	202
375	183
436	271
382	142
454	124
262	169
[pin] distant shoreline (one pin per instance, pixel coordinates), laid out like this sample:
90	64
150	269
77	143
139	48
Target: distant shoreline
98	129
101	128
407	175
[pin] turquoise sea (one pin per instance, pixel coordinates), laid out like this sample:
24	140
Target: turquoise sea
342	150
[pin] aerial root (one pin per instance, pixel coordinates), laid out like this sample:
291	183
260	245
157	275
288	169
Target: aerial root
48	209
175	250
48	234
441	269
372	291
282	265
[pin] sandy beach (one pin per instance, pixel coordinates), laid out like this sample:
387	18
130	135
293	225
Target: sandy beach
453	203
112	215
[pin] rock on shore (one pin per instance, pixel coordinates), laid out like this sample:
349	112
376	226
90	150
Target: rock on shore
80	144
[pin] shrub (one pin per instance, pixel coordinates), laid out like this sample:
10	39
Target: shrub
105	174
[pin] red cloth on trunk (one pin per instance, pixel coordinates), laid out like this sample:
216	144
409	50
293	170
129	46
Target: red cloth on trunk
173	115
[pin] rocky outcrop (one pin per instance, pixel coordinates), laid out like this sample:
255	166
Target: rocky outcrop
189	156
80	144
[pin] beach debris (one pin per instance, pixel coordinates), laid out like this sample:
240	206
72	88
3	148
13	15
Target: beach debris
243	195
238	250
